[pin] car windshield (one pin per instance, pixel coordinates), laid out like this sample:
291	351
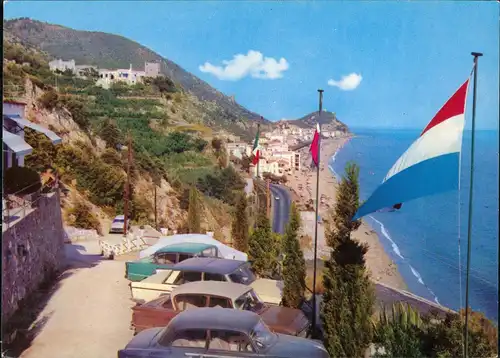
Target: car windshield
118	221
262	336
249	302
242	275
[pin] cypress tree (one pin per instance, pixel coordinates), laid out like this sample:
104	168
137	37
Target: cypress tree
294	265
349	295
194	212
261	247
239	227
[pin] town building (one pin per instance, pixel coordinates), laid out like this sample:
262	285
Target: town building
238	149
266	165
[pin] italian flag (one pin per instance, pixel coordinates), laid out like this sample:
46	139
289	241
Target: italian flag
314	149
255	149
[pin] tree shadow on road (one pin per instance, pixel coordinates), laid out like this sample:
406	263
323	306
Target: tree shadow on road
28	321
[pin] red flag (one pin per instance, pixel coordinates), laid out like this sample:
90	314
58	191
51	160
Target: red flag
315	146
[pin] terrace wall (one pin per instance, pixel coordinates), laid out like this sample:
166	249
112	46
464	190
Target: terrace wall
32	251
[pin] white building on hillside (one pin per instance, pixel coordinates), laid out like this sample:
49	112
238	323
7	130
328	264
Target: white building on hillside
62	65
129	76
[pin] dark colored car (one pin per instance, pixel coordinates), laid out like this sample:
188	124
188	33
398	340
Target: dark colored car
159	312
219	332
166	257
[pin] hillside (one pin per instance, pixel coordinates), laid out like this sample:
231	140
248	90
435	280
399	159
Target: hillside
172	149
113	51
328	121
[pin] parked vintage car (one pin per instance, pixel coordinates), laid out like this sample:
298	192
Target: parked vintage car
205	269
118	224
159	312
219	332
166	257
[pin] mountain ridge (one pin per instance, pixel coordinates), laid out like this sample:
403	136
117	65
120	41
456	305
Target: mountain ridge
115	51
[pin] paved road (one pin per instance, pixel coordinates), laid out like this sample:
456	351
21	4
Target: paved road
89	313
281	207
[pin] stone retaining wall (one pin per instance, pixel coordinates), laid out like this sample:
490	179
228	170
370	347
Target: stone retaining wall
32	251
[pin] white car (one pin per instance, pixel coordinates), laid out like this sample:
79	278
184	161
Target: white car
277	198
117	225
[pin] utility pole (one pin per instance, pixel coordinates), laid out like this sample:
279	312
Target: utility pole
126	198
156	211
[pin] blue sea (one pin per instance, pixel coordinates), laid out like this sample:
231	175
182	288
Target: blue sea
423	238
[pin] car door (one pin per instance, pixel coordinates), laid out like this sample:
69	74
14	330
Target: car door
226	343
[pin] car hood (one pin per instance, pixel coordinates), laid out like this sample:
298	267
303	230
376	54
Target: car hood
289	346
269	291
284	319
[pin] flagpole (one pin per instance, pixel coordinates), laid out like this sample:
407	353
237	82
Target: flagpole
316	218
469	225
258	161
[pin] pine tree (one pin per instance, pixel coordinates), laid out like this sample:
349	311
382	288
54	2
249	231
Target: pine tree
349	295
261	247
294	265
194	212
239	227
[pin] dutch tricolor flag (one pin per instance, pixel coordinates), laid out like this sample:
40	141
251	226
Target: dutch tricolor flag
430	165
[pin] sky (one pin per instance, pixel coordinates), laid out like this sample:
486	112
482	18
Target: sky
382	64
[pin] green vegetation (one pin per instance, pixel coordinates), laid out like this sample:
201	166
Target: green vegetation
21	181
262	247
223	184
294	265
239	227
405	334
82	217
349	296
194	212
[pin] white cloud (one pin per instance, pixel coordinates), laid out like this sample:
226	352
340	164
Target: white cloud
347	83
252	64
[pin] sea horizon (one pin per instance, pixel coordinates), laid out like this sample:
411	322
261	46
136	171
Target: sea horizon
423	237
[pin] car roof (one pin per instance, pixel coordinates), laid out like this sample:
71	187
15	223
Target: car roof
214	318
213	288
186	247
120	217
209	264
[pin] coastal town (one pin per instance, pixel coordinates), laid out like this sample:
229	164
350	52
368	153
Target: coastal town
147	214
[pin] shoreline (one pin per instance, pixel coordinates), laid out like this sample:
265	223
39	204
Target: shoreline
303	188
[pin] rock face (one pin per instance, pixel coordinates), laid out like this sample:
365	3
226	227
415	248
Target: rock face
32	251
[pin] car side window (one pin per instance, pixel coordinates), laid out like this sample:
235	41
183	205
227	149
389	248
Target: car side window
187	276
193	338
222	302
214	277
165	258
185	302
225	340
183	257
210	252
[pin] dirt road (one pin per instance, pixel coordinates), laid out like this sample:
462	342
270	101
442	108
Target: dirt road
89	313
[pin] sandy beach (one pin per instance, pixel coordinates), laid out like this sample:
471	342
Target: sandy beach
303	187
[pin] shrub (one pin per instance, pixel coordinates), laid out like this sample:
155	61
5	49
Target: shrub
21	181
49	100
84	218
